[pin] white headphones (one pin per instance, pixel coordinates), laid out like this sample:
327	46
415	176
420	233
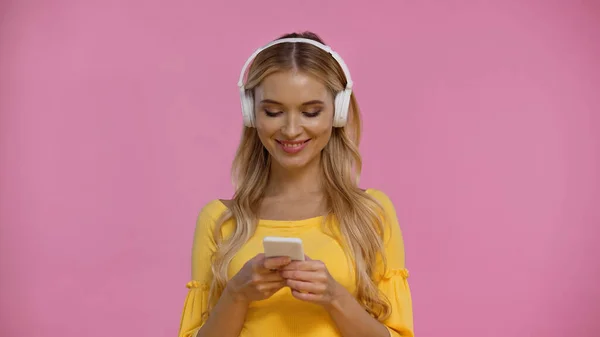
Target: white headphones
342	98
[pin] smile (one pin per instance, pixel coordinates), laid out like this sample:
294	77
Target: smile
292	146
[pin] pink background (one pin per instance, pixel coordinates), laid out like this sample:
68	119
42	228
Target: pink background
119	120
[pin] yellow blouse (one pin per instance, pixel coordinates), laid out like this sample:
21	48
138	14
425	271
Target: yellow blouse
282	315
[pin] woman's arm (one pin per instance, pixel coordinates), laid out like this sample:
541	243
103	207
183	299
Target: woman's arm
352	319
226	318
311	281
258	279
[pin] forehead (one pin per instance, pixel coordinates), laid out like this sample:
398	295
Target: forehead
291	87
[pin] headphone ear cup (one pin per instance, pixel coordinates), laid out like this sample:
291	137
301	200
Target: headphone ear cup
342	105
247	108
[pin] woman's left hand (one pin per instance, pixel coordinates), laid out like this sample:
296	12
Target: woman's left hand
310	281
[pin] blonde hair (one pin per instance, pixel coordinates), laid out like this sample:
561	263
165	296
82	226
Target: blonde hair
358	214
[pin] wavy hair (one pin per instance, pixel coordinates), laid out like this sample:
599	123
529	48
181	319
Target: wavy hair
358	214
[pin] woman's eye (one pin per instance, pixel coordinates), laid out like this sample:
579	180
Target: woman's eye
272	113
312	114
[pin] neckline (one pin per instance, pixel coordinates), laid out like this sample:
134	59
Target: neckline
288	223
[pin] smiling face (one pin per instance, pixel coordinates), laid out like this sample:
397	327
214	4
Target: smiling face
294	117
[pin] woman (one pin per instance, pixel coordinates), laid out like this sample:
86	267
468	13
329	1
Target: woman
296	173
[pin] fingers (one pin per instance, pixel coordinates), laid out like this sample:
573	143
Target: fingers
306	287
276	263
310	265
306	296
301	275
258	278
308	279
270	287
262	264
301	281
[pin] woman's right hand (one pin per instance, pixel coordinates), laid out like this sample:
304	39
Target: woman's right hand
258	279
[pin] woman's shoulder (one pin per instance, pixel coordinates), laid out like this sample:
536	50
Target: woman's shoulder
212	210
379	195
385	202
390	217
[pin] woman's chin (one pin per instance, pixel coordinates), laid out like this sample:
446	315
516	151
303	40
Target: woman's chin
292	164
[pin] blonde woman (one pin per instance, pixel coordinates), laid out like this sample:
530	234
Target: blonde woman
296	173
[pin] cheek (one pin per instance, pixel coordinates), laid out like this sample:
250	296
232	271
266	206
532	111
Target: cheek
322	135
321	125
266	129
264	137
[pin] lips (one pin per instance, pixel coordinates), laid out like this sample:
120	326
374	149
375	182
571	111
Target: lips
292	146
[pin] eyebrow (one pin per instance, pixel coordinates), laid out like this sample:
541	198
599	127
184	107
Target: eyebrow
270	101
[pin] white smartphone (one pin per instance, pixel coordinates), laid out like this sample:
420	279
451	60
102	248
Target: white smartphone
275	246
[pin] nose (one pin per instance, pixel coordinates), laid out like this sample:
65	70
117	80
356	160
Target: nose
292	127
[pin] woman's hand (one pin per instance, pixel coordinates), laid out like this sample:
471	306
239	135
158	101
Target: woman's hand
258	279
310	281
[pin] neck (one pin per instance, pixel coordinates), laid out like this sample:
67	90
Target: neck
301	181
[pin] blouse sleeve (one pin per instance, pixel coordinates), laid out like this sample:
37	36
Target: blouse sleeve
196	301
393	280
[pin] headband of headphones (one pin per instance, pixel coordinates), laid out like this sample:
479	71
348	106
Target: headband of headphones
317	44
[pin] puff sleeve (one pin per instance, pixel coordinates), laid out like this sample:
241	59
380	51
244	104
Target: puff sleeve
393	280
196	301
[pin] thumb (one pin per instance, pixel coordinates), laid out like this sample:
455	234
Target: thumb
258	258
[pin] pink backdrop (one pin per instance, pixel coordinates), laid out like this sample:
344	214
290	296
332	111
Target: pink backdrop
119	120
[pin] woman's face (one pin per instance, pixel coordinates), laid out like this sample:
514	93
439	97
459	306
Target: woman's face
294	117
